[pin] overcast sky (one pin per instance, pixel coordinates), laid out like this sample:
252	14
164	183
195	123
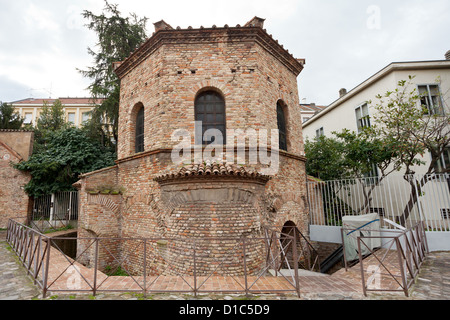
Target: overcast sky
43	42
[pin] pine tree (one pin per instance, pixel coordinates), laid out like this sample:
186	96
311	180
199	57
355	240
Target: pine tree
117	37
9	118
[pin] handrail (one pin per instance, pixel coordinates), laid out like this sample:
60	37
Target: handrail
40	255
412	248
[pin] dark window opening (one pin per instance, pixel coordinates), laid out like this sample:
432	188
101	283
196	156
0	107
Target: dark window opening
140	131
210	110
281	127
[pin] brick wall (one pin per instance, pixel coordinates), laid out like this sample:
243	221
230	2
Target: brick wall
252	72
15	146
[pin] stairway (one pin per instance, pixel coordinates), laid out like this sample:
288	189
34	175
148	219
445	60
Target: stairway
332	259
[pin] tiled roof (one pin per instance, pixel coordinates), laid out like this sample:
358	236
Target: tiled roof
212	169
311	108
64	101
165	34
15	130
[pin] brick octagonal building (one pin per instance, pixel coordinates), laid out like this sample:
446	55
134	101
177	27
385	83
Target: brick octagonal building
230	78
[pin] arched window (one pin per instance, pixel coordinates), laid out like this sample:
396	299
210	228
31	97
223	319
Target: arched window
281	120
210	110
139	137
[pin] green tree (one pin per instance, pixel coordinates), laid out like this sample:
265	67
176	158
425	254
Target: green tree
117	37
413	131
345	157
69	152
52	118
348	155
325	158
9	118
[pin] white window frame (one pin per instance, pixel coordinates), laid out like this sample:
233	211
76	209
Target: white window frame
26	119
440	164
74	117
320	132
85	116
433	109
365	119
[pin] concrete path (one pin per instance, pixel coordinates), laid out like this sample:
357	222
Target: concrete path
14	282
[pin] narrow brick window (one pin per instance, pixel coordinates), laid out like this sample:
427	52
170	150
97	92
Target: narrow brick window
139	142
210	110
281	120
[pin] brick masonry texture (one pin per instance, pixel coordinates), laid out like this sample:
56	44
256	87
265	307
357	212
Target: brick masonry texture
15	146
252	72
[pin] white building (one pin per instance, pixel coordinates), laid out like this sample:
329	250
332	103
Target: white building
309	110
351	111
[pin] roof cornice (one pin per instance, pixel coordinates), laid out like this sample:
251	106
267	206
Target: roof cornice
210	35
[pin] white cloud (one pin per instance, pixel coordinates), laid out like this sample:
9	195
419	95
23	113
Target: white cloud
42	42
37	17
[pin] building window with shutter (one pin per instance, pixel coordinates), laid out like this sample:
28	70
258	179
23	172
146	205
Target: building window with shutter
362	117
430	99
319	132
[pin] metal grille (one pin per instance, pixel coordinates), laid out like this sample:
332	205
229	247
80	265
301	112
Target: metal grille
210	110
57	209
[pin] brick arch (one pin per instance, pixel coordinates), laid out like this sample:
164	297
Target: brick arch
210	85
290	211
105	202
93	231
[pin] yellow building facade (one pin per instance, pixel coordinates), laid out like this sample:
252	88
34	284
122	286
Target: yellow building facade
77	110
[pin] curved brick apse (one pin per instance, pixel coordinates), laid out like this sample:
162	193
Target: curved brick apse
176	186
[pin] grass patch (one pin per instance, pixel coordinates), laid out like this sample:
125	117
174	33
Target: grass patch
69	227
116	272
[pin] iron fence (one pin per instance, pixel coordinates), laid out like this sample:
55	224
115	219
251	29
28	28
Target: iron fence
399	260
57	210
147	265
397	199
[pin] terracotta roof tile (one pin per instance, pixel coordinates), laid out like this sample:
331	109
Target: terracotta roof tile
313	108
211	169
64	101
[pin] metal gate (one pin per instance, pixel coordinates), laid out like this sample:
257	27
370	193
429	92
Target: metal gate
57	209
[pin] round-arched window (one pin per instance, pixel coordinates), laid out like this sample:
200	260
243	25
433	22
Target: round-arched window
210	110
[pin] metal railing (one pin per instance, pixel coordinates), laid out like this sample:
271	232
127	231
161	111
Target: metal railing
398	260
405	201
53	211
140	265
308	257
